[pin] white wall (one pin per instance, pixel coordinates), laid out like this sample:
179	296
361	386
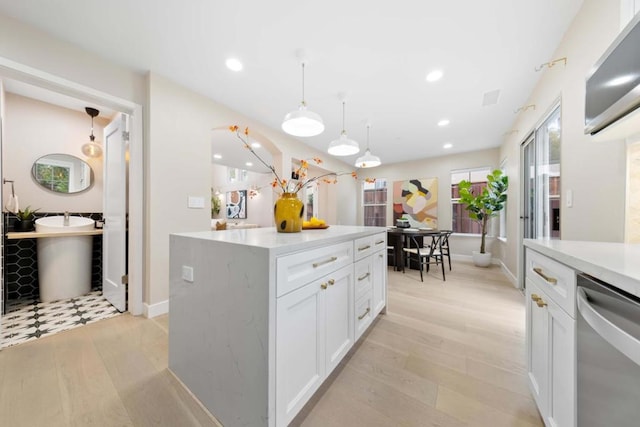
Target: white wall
28	46
33	129
594	171
436	167
178	158
259	208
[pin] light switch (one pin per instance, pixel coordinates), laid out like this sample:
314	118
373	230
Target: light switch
569	198
196	202
187	273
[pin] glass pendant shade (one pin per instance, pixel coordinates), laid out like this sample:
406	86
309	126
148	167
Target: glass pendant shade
368	160
302	122
92	149
343	146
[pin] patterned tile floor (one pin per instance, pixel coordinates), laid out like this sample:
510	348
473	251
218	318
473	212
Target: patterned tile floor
27	320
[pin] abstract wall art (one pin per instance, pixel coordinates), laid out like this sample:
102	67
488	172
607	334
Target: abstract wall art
237	204
417	200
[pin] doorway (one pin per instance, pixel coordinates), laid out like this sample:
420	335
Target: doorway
134	196
540	177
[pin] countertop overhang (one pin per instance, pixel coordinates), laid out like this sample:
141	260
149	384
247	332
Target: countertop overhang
270	239
615	263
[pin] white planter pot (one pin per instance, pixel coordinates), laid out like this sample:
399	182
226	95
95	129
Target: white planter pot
481	260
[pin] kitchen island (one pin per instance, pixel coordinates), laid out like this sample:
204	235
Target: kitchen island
259	319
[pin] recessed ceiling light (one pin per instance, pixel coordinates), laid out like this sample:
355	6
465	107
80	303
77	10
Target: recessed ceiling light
447	146
234	64
434	76
256	145
249	164
443	122
217	156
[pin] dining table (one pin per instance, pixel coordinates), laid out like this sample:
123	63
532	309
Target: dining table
400	238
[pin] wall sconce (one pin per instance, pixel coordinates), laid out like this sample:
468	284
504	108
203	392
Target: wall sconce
550	64
524	108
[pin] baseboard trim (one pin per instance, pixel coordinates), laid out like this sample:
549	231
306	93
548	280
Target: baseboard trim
469	258
157	309
512	278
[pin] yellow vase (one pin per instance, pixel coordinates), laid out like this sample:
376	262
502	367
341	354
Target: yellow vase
288	213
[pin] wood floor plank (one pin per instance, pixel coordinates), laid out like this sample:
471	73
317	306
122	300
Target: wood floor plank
445	354
88	396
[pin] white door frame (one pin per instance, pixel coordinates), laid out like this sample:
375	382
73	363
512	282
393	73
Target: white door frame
14	70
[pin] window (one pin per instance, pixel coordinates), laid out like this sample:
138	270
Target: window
460	221
503	213
374	202
54	177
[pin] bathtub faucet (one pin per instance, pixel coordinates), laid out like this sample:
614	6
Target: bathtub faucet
66	219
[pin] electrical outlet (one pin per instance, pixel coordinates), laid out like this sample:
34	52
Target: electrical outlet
569	198
187	273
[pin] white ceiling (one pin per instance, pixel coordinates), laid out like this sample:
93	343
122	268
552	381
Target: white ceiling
377	51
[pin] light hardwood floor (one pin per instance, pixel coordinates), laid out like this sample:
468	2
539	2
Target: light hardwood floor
446	354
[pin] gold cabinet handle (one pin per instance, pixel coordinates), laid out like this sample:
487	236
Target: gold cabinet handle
364	276
332	282
541	303
379	242
364	314
364	248
535	297
323	286
548	279
318	264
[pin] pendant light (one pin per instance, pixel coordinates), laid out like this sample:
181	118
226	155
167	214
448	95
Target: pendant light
368	160
92	148
343	146
303	122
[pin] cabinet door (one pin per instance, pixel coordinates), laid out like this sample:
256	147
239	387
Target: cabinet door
339	304
562	368
379	281
537	347
300	350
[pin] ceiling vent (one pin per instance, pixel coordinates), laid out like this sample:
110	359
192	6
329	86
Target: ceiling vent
490	98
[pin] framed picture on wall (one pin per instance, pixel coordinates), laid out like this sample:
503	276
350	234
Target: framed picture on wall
237	204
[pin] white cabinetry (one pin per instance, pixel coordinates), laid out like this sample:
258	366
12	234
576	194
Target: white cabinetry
269	316
551	339
628	9
314	332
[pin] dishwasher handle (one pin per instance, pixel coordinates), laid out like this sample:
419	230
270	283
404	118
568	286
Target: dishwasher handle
618	338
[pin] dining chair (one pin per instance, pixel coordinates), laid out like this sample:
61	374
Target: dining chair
444	247
425	255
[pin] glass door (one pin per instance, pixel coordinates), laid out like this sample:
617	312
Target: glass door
540	177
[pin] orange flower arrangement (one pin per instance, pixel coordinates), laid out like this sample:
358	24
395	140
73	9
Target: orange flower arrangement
294	185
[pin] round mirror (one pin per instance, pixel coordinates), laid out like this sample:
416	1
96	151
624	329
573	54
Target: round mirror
62	173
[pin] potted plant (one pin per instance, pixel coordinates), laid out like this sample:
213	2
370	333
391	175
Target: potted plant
215	204
483	206
25	219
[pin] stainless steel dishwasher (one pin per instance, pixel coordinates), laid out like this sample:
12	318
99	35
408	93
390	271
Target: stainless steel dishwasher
608	343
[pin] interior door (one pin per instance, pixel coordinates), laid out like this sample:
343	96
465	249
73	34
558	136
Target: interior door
114	244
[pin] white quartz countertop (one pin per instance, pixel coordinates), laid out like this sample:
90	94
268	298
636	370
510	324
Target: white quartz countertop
269	238
615	263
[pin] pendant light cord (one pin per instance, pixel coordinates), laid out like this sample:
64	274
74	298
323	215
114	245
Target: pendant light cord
343	107
303	103
368	127
91	137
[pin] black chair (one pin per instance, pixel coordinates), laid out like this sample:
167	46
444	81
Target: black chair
425	255
444	247
391	254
